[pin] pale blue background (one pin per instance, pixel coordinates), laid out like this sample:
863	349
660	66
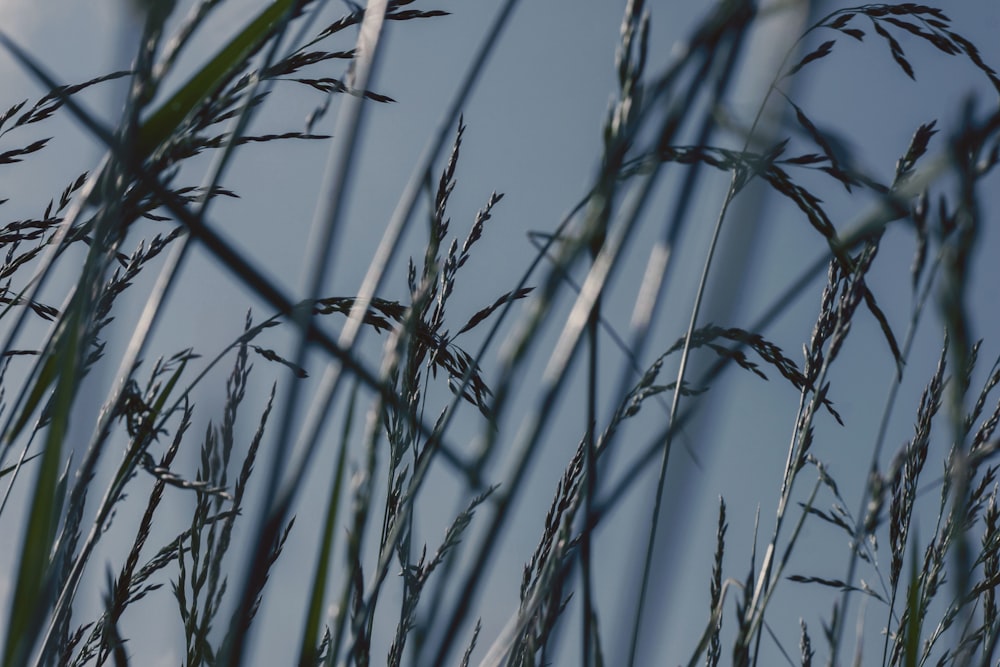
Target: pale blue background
534	133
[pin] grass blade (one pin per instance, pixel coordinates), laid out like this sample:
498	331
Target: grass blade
227	63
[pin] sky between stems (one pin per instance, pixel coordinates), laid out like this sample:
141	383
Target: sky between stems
534	127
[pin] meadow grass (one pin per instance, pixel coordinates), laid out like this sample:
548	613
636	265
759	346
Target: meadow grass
102	515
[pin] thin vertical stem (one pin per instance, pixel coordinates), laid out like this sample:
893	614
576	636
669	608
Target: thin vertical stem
668	441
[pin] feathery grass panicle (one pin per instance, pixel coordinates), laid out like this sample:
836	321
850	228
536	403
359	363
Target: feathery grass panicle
714	652
137	212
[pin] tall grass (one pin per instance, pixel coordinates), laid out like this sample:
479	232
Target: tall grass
115	515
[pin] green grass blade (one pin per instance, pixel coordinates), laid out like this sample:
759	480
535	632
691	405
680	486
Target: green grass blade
30	596
310	634
230	60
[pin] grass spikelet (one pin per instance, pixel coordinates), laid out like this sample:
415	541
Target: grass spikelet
128	493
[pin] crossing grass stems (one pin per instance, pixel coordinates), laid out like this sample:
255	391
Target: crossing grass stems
130	212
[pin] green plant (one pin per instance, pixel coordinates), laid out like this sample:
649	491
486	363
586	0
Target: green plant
243	496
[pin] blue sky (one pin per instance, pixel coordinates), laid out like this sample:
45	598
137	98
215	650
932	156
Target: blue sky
534	133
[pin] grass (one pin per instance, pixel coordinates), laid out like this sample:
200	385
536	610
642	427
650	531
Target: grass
133	506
